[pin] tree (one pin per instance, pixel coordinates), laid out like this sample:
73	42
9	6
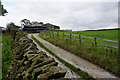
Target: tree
12	25
34	22
2	10
40	23
25	22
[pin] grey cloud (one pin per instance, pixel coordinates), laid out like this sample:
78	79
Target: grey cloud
96	15
68	15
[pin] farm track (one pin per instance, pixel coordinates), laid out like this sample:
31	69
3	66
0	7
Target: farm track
69	74
84	65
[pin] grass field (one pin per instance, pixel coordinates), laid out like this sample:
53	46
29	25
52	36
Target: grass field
106	34
6	53
89	39
97	56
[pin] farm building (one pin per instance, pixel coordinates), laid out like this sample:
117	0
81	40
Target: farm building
38	27
51	26
34	28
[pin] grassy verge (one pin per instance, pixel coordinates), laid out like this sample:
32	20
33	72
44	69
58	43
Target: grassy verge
75	69
108	61
6	53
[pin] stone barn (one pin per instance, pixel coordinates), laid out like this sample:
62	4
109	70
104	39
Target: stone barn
51	26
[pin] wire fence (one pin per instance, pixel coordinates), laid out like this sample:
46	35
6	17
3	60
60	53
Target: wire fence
94	43
95	39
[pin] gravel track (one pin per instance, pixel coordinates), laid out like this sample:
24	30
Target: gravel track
84	65
69	74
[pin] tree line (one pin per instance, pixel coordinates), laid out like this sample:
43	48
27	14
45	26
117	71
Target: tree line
2	10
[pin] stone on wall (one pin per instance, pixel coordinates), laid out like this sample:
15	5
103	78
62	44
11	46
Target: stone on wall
30	63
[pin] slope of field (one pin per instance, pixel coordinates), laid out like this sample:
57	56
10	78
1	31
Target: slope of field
105	34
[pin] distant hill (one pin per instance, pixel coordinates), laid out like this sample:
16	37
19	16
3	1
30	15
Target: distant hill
104	29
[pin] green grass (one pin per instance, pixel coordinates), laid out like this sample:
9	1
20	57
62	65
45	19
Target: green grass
81	73
108	61
6	53
88	44
92	40
106	34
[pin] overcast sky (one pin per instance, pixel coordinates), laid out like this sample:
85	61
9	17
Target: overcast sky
73	14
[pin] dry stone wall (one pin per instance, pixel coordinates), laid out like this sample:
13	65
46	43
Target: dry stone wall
30	63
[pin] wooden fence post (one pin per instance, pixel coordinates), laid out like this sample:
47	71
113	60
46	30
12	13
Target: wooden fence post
53	34
111	51
57	33
106	50
95	42
70	38
63	35
80	39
